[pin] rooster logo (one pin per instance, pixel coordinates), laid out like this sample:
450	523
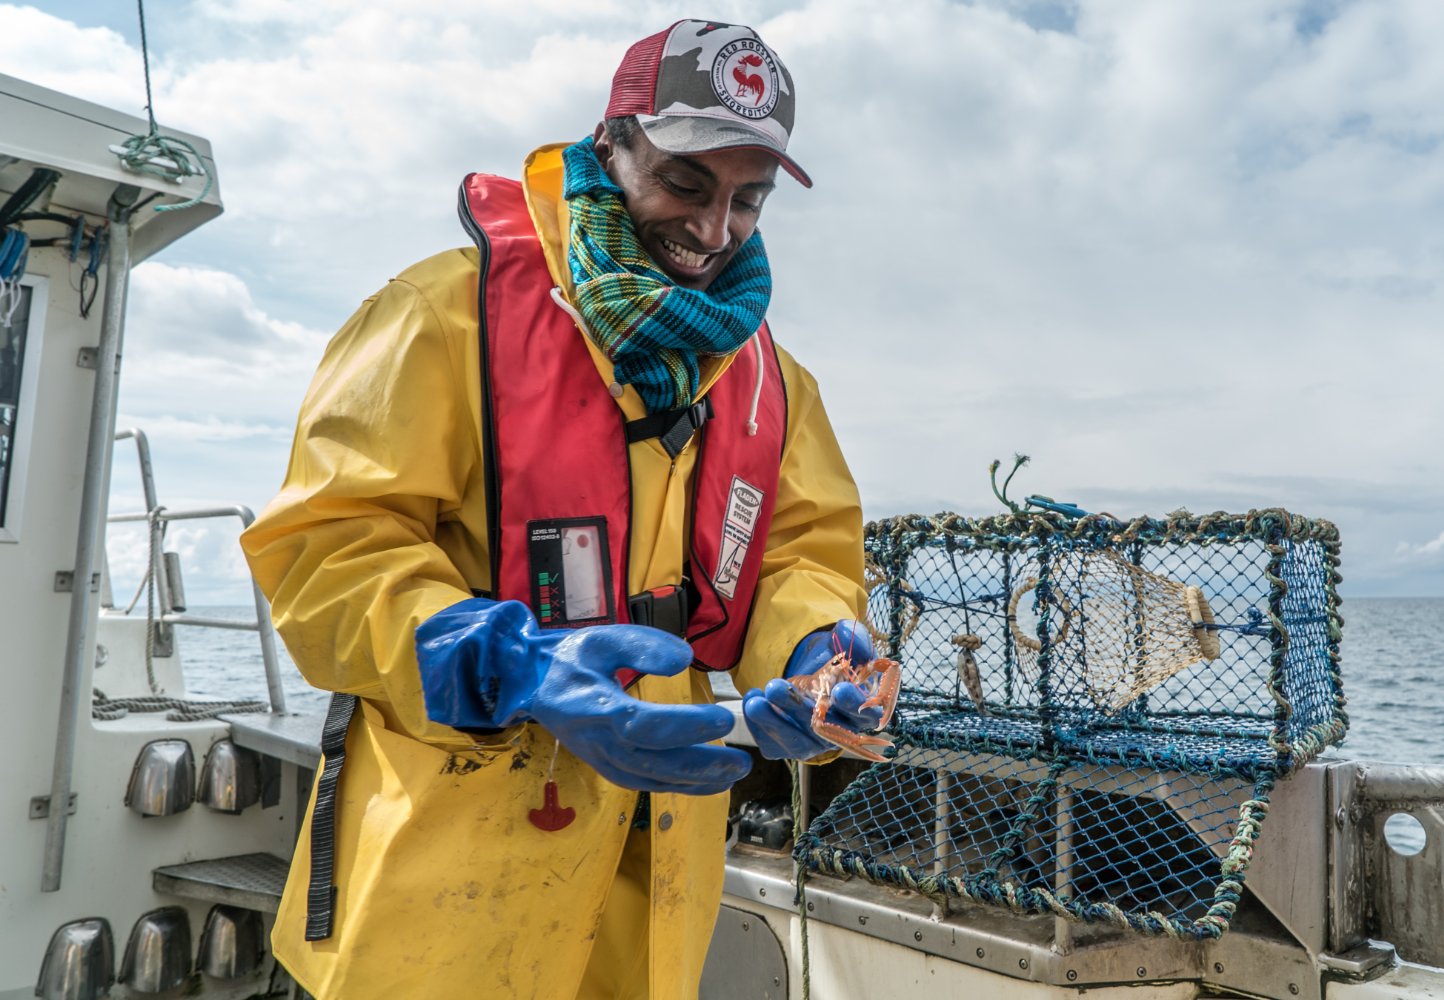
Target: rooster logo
745	78
749	83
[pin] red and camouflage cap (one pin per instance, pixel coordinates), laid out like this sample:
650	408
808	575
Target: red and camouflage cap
701	86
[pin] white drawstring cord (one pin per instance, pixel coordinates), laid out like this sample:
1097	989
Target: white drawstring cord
756	387
571	311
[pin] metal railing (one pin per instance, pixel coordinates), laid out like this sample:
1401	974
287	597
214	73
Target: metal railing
155	515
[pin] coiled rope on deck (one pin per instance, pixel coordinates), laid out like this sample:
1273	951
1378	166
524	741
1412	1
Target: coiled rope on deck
176	709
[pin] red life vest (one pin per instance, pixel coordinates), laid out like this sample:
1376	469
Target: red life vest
558	477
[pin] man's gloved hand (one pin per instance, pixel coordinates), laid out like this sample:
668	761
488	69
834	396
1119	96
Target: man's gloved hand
780	716
487	665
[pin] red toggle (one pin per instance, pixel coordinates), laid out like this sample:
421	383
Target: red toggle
552	816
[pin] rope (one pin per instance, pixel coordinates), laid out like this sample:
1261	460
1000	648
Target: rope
159	155
801	875
1018	462
176	709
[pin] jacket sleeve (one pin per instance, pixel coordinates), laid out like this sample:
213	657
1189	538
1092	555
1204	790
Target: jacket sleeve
812	569
347	551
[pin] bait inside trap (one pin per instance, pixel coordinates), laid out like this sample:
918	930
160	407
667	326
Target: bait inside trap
1092	711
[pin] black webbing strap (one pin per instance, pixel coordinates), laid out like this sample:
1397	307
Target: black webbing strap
661	607
321	896
673	428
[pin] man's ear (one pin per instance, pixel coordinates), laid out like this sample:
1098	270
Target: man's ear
603	144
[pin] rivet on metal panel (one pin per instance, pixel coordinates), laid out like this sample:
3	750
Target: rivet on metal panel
810	907
1022	963
980	953
862	918
746	925
761	892
917	935
1218	968
1142	972
1294	989
1072	975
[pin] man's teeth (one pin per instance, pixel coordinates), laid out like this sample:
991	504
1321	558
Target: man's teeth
684	256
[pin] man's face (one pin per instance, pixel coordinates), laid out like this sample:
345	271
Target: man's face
693	212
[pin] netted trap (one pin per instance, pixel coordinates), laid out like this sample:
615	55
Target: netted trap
1190	643
1157	852
1092	711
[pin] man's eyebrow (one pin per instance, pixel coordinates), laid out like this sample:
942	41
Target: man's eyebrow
703	170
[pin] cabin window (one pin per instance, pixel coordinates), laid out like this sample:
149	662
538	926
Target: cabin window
19	361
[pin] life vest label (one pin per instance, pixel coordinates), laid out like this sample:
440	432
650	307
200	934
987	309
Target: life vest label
739	524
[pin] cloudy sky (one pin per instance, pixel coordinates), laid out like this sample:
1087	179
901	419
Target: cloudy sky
1184	254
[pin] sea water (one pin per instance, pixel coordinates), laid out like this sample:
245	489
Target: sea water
1392	656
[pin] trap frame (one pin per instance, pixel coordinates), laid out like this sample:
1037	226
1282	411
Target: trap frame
1093	711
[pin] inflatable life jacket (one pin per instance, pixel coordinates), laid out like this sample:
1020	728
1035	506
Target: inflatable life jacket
558	477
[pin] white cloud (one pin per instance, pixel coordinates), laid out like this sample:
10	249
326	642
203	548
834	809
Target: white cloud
1430	552
1171	250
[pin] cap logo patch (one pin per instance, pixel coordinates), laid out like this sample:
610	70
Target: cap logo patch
744	75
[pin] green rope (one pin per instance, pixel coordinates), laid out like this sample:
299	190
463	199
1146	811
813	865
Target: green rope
165	156
1018	462
801	875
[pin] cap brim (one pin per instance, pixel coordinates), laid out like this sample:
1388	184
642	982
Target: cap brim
689	134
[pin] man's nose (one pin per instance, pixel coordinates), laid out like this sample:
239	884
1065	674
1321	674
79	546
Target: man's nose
709	224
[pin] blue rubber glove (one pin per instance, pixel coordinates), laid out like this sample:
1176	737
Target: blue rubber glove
488	665
780	717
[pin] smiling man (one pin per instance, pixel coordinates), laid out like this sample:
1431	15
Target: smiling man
539	488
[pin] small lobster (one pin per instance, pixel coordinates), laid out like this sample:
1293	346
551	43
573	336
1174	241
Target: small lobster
880	678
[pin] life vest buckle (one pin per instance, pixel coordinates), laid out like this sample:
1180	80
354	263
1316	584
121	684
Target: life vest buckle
661	607
672	428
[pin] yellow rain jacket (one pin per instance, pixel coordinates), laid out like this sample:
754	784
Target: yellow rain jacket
445	889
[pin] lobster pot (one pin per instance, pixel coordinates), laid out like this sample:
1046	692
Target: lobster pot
1190	643
1153	851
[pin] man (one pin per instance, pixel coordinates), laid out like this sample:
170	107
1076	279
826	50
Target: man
523	473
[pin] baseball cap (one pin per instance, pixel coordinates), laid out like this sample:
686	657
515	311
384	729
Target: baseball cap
702	86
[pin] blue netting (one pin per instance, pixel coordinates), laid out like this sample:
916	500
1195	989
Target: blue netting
1149	851
1092	711
1084	641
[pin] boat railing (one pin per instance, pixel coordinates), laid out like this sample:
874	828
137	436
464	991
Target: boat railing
164	577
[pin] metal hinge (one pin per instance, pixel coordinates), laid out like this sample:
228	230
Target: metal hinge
40	806
65	581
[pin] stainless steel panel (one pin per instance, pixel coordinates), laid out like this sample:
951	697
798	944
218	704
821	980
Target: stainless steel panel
745	959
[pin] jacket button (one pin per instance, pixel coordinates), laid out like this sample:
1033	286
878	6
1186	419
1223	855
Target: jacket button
664	821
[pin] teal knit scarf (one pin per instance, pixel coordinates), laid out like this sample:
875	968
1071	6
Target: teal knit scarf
652	329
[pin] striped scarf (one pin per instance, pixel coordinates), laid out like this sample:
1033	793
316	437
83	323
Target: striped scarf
652	330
